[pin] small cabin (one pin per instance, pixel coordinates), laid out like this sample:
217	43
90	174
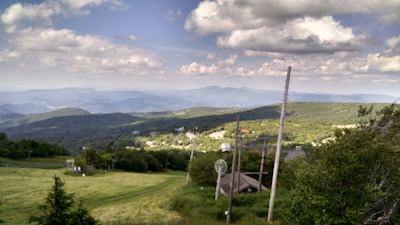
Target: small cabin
247	184
226	147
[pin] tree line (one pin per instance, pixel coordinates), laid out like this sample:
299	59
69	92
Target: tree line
135	160
26	148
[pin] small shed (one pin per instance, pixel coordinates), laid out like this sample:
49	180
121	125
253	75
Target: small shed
226	147
70	163
247	184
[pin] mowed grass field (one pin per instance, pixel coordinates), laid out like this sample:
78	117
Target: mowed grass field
111	197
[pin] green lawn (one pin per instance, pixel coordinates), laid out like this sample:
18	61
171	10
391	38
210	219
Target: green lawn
54	162
112	197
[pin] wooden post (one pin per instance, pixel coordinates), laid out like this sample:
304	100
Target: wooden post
262	165
278	149
229	212
239	162
191	157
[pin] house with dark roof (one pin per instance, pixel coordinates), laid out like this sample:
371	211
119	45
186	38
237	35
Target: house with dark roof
247	184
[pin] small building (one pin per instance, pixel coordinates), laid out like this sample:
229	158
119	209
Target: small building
70	164
247	184
226	147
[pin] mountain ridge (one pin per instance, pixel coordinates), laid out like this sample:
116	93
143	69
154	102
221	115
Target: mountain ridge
111	101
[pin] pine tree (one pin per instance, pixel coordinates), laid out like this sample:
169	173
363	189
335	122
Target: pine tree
57	209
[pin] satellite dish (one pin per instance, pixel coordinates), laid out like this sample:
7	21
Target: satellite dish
220	166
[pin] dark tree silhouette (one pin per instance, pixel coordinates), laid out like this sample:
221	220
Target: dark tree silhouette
57	209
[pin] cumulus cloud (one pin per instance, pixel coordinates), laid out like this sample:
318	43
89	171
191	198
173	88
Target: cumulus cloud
340	66
79	4
284	26
221	16
393	43
210	56
222	67
42	14
385	62
7	54
303	35
82	53
44	46
15	14
388	60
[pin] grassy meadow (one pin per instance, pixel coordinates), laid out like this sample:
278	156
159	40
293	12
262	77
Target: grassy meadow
111	197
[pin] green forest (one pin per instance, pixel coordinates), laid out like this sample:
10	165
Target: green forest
74	129
352	177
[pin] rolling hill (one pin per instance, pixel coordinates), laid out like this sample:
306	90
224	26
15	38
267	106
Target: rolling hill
75	131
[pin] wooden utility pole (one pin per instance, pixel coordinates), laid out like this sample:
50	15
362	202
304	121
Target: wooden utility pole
194	130
239	162
262	165
229	212
278	149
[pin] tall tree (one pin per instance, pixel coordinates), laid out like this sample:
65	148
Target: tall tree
354	179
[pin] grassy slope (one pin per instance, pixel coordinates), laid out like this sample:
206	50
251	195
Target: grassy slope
20	119
113	197
57	113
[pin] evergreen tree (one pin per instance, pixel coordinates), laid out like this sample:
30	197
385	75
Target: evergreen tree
81	217
57	209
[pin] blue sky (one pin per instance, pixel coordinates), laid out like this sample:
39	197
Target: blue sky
337	47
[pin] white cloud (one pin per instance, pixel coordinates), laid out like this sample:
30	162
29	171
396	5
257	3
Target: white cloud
197	68
303	35
285	26
6	54
385	62
46	47
221	16
295	33
80	4
279	11
41	14
210	56
253	13
393	43
77	53
340	66
132	37
231	60
222	67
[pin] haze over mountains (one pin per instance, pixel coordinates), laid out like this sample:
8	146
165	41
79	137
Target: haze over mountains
96	101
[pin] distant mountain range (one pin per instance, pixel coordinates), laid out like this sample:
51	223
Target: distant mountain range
95	101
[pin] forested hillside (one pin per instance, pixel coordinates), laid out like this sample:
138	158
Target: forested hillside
306	122
26	148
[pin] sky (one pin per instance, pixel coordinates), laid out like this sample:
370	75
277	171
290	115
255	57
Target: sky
332	46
